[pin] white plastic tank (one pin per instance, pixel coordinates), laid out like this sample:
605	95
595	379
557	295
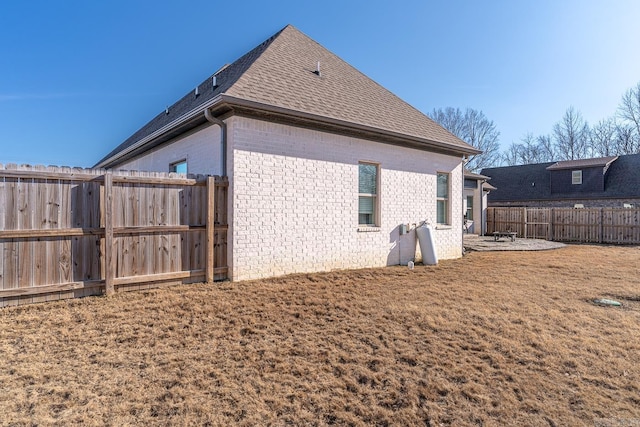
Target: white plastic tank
427	244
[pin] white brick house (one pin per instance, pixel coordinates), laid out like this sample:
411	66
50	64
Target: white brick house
324	165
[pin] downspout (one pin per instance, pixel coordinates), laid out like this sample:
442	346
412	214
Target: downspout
223	138
482	207
464	162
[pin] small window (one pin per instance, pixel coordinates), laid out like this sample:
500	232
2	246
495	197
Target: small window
178	167
470	183
470	208
576	177
368	194
442	198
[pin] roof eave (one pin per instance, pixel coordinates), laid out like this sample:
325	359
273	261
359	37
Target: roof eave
409	139
149	139
230	101
476	176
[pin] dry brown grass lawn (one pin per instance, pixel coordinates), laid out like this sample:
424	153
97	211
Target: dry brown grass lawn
495	338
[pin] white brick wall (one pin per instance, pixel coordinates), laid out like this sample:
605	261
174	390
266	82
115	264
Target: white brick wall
294	198
200	148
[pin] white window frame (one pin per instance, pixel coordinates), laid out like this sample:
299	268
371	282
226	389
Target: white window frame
375	196
576	177
446	200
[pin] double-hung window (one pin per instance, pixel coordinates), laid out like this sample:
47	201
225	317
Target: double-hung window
368	194
576	177
442	199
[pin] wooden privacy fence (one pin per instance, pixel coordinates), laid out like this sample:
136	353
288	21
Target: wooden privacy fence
586	225
67	233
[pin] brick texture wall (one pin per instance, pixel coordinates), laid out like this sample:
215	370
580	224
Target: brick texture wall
294	201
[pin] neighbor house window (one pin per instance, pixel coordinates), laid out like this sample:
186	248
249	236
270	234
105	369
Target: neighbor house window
576	177
442	197
178	167
470	183
470	208
367	194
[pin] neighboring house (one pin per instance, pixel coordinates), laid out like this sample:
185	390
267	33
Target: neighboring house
324	165
476	190
601	182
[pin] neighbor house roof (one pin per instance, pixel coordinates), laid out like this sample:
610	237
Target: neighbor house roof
583	163
488	187
533	182
280	78
473	175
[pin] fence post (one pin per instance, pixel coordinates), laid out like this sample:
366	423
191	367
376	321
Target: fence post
211	209
550	228
109	259
601	225
524	222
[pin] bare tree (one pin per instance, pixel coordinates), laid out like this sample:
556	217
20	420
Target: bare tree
626	139
629	113
513	155
452	119
571	135
603	138
629	108
547	149
530	150
473	127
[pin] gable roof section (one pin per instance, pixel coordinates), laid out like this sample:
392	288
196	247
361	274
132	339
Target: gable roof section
278	76
583	163
532	182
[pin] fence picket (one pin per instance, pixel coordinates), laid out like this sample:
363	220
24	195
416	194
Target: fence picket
112	231
584	225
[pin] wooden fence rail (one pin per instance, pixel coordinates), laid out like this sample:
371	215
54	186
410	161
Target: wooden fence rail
585	225
67	233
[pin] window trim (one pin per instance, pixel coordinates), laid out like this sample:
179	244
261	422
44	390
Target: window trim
447	200
374	196
173	166
469	208
576	177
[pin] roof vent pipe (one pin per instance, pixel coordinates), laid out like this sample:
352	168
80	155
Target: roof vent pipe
223	138
317	71
214	81
197	92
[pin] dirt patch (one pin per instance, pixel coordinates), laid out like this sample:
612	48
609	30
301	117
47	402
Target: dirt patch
461	343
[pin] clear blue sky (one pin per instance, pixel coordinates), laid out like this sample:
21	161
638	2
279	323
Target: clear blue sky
78	77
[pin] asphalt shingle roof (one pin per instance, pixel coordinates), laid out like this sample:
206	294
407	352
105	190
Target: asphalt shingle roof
533	182
280	73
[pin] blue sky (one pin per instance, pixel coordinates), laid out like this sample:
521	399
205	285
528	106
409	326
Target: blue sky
78	77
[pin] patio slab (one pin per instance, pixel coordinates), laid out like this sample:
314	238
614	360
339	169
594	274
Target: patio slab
473	242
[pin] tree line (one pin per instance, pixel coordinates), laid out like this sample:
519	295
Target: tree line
571	138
